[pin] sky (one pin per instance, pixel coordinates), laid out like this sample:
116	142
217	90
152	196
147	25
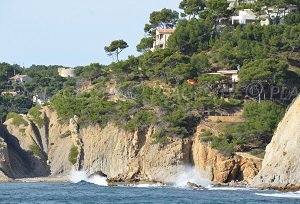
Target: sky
71	32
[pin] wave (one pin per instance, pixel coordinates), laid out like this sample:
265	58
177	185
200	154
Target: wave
229	188
147	185
191	175
79	176
281	195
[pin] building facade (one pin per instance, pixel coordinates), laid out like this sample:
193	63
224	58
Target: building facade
66	72
161	38
244	16
20	78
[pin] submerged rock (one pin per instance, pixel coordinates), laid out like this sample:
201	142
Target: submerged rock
195	186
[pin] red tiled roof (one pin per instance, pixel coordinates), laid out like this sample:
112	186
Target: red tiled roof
18	76
192	82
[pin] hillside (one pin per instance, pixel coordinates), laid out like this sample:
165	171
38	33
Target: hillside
211	95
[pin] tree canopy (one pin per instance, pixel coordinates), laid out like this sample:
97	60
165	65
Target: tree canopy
166	18
115	48
192	8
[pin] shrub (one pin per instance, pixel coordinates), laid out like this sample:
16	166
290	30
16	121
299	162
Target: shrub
222	144
142	119
73	154
36	115
159	137
17	119
206	136
35	150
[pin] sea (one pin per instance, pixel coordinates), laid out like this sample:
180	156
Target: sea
82	189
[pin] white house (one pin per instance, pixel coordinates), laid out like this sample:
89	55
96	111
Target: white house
244	16
274	12
233	74
20	78
65	72
161	38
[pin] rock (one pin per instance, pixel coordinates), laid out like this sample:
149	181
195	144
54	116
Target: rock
221	169
124	156
195	186
281	164
98	173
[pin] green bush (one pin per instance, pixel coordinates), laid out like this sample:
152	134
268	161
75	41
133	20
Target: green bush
206	136
73	154
141	120
159	137
222	144
35	150
17	119
36	115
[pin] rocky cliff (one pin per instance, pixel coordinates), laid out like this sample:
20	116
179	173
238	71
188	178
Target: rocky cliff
31	151
281	165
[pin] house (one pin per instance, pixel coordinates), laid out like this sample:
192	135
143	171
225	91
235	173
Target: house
161	38
66	72
233	74
9	93
39	99
227	86
20	78
273	12
244	16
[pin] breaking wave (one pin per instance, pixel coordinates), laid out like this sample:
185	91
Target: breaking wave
281	195
229	188
78	176
193	176
147	185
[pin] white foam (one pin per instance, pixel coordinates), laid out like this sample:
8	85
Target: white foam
78	176
145	185
228	188
281	195
193	176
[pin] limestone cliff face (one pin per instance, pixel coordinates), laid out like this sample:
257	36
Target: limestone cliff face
121	155
217	167
281	165
133	156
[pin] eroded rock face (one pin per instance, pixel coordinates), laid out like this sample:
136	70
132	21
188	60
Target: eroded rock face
25	156
281	165
133	156
221	169
123	155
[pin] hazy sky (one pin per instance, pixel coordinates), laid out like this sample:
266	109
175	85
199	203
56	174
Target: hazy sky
71	32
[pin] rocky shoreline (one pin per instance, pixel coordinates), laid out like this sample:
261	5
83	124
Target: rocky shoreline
110	182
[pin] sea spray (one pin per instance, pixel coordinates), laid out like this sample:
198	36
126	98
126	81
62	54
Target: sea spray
78	176
191	175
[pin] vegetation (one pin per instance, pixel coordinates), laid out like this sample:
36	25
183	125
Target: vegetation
260	123
9	103
36	115
73	154
17	119
154	89
35	150
115	48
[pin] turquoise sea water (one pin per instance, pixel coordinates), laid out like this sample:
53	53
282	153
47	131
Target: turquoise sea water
84	192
